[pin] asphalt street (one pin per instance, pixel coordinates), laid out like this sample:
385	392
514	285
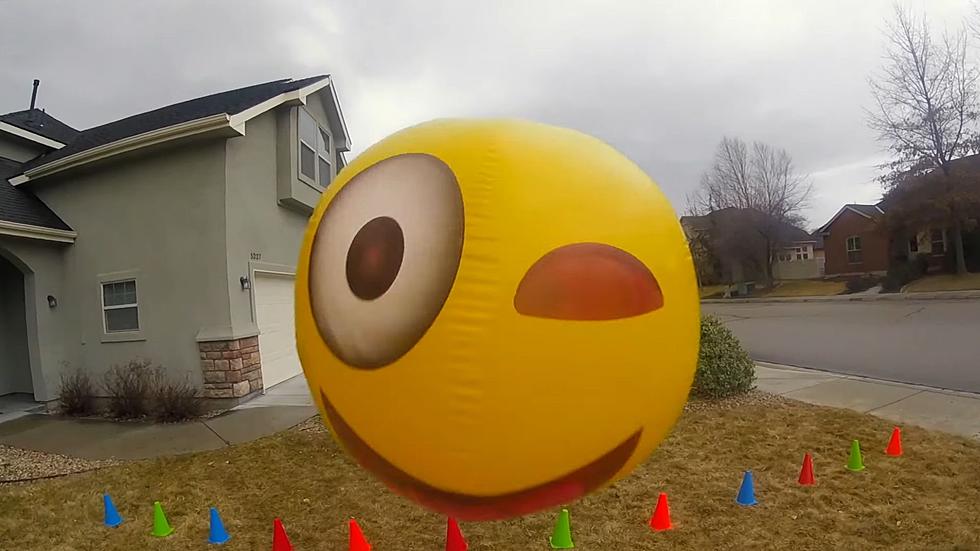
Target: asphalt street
929	342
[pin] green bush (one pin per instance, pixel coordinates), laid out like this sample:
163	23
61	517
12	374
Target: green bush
724	368
860	283
903	272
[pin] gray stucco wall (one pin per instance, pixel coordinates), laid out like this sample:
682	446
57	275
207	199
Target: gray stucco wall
42	266
160	217
19	149
15	367
257	223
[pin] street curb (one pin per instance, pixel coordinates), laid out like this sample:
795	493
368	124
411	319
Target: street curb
865	379
939	295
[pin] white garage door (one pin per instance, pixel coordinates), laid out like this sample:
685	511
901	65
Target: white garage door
275	317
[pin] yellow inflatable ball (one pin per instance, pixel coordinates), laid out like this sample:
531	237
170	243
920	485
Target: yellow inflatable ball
496	316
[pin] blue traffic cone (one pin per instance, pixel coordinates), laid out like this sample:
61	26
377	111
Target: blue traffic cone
112	517
218	534
746	494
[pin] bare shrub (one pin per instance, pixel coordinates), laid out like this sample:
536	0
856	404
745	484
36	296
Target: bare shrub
130	388
77	393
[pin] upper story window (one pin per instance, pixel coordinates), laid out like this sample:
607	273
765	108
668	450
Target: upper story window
314	150
938	239
854	249
120	311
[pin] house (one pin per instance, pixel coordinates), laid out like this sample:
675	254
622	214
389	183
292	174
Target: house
800	256
855	242
730	246
170	235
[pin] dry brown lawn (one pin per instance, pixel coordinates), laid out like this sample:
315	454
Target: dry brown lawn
928	499
712	290
802	288
945	282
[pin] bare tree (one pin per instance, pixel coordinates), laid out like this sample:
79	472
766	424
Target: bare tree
761	180
780	191
925	108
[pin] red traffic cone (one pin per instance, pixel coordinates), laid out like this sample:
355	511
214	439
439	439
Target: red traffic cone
806	473
660	520
357	541
279	540
454	537
894	448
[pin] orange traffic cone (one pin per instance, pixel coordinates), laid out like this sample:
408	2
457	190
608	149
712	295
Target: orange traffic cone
279	540
894	448
660	520
806	473
454	537
357	541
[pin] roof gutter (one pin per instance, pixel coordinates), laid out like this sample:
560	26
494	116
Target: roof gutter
210	123
130	143
16	229
31	136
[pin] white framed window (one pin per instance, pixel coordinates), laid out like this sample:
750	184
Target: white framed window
938	241
806	256
314	150
323	160
913	245
120	306
854	249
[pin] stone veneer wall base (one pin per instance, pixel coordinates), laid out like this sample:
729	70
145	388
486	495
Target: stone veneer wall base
232	368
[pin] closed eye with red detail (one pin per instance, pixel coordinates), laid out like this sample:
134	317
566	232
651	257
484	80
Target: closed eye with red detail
588	282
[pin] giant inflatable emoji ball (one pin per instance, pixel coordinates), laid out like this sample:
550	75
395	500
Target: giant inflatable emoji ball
496	316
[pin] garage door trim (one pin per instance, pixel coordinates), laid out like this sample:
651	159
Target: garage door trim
259	270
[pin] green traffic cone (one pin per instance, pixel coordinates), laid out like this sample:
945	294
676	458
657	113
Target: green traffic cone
561	538
855	463
161	528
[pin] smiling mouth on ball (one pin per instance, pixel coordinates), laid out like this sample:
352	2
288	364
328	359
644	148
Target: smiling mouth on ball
472	507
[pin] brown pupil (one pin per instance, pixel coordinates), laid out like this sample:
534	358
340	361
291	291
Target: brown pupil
374	258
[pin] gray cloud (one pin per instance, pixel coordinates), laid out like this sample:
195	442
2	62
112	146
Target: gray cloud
661	81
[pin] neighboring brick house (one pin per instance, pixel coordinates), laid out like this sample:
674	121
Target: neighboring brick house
854	241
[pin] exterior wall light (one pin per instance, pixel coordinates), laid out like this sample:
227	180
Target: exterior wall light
52	302
246	284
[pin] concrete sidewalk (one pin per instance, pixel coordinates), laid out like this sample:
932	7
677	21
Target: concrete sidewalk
931	408
855	297
282	407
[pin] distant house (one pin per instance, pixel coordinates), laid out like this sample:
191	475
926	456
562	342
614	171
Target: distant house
729	246
855	242
170	235
800	257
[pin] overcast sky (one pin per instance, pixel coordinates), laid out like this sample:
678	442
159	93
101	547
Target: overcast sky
661	81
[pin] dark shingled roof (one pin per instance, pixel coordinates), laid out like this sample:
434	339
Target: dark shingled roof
21	206
730	216
867	210
818	238
230	102
41	123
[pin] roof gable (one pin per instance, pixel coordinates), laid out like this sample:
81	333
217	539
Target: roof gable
231	102
867	211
